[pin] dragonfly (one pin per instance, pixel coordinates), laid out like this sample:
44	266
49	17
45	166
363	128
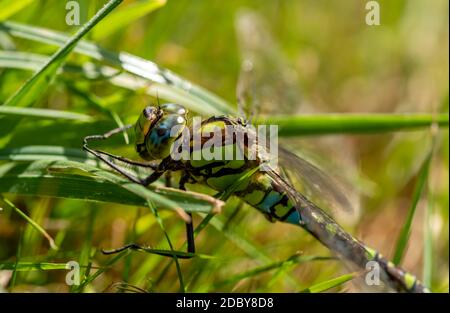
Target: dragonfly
267	188
252	179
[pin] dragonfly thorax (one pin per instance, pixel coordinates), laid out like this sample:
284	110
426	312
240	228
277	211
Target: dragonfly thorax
157	128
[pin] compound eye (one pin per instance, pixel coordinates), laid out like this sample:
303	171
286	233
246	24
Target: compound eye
173	108
161	131
149	112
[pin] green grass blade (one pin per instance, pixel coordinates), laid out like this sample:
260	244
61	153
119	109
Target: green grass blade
56	158
428	245
317	124
164	197
32	266
24	266
405	232
428	241
51	153
121	18
234	235
295	259
30	221
6	42
176	253
10	7
131	236
197	230
42	113
56	179
31	61
86	252
335	282
146	69
99	104
34	61
89	279
18	256
34	87
166	235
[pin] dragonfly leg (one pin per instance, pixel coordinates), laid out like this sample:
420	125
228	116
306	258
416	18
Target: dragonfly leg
168	179
190	235
136	247
131	246
107	135
159	170
162	168
189	226
102	155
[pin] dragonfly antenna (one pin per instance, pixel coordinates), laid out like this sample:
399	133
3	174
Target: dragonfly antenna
157	98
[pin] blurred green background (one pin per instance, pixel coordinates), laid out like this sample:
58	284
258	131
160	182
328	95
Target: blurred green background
309	57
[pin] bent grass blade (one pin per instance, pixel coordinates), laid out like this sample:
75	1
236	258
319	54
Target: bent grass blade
43	113
34	87
52	166
29	220
326	285
132	64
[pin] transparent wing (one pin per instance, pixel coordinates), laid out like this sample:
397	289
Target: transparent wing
268	85
266	77
327	191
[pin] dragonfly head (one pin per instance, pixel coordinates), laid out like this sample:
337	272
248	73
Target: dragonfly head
157	128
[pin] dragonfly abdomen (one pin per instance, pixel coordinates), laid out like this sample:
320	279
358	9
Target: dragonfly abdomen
257	189
264	195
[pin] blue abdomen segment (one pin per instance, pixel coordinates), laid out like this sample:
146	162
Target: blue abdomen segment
268	197
293	218
269	201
